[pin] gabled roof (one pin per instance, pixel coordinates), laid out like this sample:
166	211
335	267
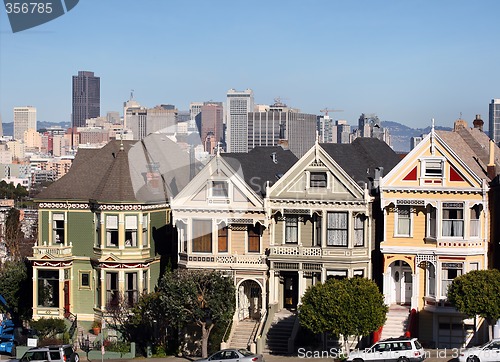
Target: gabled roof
471	145
261	164
360	158
121	171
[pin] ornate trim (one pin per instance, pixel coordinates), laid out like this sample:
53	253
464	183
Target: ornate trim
124	265
98	207
52	264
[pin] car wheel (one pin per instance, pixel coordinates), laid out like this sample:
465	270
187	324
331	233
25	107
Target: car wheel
472	359
74	357
357	360
403	359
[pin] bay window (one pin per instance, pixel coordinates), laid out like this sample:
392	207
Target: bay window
336	232
453	219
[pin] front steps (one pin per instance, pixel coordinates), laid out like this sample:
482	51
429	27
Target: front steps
279	332
397	321
243	333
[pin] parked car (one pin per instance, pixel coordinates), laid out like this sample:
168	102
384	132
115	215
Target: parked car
388	350
233	355
489	351
57	353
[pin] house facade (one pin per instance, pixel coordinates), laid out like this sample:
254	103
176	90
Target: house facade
104	228
320	216
436	227
222	225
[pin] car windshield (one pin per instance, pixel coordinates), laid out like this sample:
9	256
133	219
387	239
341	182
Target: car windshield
34	355
245	353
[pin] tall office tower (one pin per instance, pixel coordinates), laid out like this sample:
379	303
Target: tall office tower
24	119
86	98
494	123
162	118
239	104
280	123
135	118
195	109
325	127
211	123
343	131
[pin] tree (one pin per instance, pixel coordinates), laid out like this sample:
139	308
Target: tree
205	298
16	289
477	293
13	234
346	307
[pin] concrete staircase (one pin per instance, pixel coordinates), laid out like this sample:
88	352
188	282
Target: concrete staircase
397	320
279	332
243	333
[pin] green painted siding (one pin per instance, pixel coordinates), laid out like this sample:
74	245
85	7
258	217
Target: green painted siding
44	226
83	297
81	230
154	272
158	232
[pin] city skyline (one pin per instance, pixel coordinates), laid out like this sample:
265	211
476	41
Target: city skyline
405	62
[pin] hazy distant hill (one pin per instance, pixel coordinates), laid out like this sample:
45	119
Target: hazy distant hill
401	134
8	127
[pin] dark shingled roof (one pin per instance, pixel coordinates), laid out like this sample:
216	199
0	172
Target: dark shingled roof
259	166
360	158
118	172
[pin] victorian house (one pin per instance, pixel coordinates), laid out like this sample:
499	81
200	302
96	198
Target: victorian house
321	217
222	224
436	227
104	228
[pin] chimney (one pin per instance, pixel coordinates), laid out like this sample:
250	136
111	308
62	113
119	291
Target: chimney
478	122
491	169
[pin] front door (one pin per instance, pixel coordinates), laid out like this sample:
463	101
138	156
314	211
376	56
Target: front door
407	287
291	290
66	298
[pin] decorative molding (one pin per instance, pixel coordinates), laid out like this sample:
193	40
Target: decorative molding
53	264
99	207
410	202
124	265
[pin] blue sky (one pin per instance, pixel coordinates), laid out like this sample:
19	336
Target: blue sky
406	61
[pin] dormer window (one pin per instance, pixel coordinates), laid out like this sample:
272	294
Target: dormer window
318	179
433	168
220	189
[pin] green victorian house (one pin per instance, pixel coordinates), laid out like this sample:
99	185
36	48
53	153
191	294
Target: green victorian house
104	232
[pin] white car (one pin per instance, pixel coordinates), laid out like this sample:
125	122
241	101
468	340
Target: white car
390	350
489	351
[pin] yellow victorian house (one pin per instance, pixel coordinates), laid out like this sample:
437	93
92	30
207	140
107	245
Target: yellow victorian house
436	227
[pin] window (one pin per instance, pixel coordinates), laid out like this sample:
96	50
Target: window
253	233
431	280
336	232
48	288
112	297
220	189
130	231
58	227
359	230
291	229
431	221
112	230
98	229
85	280
336	274
360	273
202	236
433	168
131	291
475	212
317	233
453	219
318	179
145	282
449	272
145	230
222	239
403	221
474	266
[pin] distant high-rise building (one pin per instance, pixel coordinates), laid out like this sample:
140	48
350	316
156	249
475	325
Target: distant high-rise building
239	104
211	123
194	109
279	123
143	121
86	98
24	119
494	120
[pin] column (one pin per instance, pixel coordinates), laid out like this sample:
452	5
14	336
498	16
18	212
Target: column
301	286
272	287
415	287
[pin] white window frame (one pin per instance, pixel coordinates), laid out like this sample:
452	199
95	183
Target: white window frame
212	188
445	282
285	241
131	228
310	179
110	230
453	206
397	214
59	228
432	161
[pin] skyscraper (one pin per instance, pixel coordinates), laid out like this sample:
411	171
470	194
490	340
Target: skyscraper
239	104
211	125
24	119
494	120
86	98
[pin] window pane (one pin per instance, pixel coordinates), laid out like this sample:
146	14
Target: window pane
202	236
337	229
291	229
254	239
404	221
318	179
219	189
222	239
359	230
